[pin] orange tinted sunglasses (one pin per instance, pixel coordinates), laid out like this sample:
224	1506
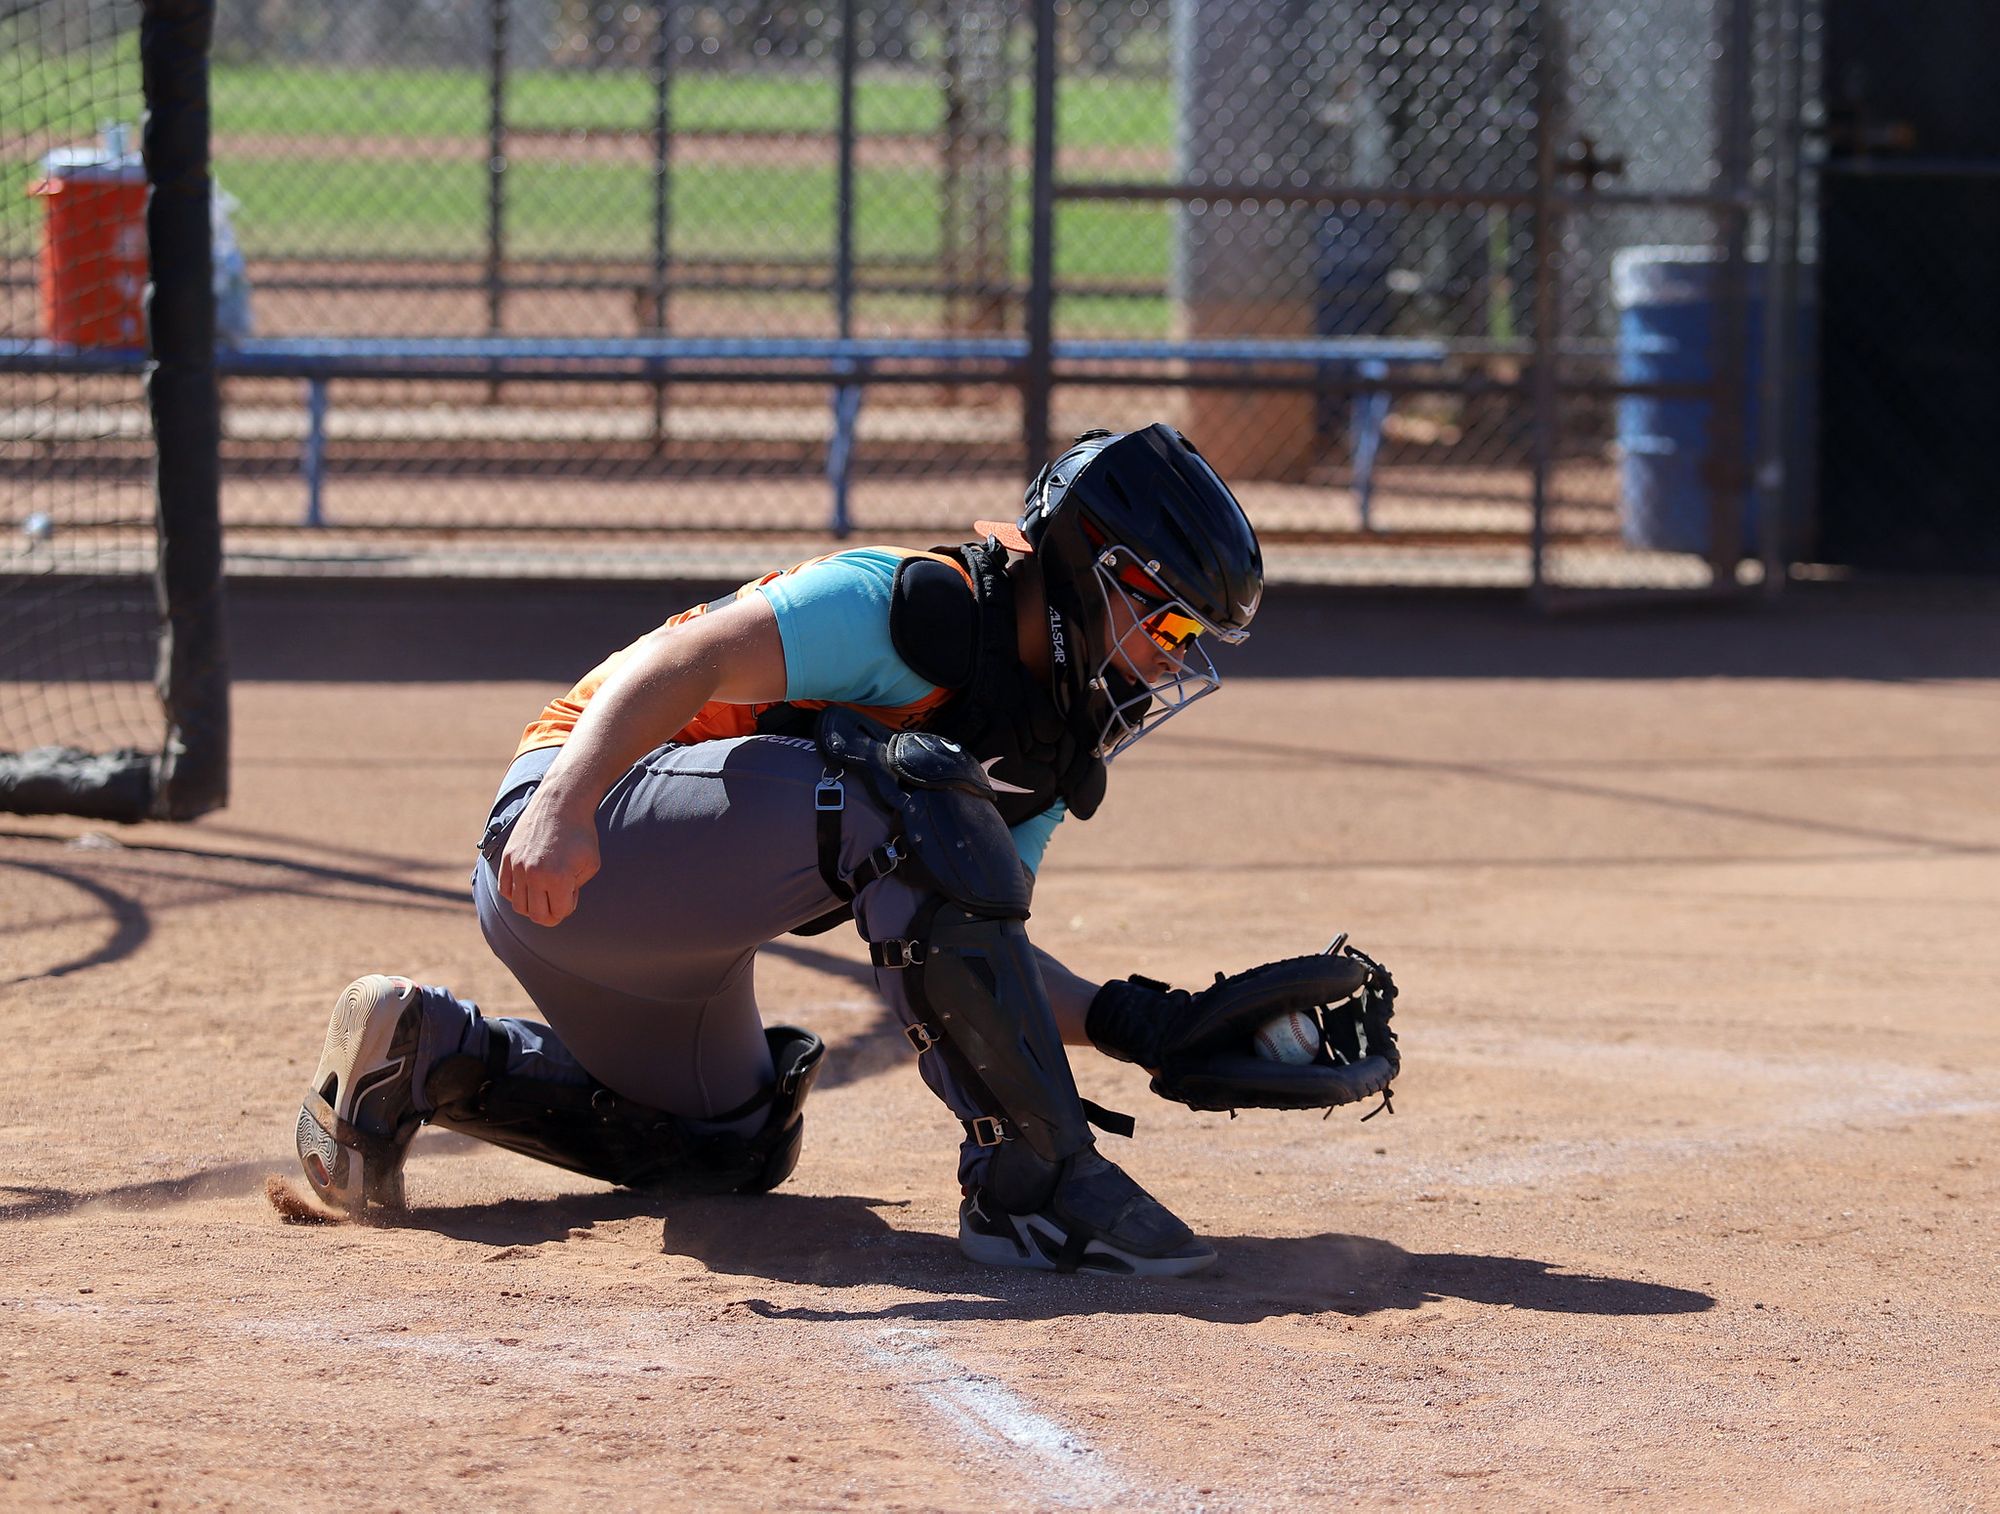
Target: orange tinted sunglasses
1171	629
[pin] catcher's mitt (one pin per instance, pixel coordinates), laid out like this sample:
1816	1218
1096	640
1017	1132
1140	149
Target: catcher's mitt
1198	1045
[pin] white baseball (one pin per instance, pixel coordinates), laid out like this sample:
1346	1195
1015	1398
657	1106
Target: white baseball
1291	1037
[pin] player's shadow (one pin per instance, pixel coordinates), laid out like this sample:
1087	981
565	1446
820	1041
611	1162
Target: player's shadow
844	1242
25	1201
831	1243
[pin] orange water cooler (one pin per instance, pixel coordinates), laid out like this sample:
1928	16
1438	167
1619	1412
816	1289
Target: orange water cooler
94	245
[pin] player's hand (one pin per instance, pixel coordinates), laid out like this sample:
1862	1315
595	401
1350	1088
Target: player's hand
547	861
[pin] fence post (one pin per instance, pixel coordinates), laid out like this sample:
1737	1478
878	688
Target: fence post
663	142
496	172
843	253
1779	390
846	402
1727	475
193	669
1037	380
1548	303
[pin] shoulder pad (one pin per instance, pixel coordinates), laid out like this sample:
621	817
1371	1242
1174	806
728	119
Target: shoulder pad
934	622
925	760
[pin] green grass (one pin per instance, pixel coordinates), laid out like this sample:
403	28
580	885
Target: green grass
315	201
68	96
369	102
338	207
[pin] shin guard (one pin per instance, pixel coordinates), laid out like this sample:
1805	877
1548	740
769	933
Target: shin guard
603	1135
979	1001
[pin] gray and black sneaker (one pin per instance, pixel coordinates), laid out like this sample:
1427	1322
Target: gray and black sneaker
360	1112
1081	1215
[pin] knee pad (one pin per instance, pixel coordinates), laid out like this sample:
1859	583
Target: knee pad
604	1135
947	831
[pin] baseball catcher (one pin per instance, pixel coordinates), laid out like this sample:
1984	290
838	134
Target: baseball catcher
890	737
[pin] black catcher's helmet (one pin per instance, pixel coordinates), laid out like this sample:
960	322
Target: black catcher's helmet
1145	554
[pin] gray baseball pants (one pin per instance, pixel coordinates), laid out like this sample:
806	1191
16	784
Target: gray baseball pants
707	852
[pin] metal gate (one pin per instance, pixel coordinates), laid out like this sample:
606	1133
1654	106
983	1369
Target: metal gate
1575	201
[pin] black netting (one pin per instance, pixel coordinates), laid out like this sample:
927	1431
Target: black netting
113	681
78	622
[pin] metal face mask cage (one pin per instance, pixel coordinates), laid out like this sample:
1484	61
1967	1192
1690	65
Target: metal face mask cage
1165	667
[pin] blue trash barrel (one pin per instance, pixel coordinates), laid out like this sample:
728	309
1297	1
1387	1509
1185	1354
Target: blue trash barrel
1665	297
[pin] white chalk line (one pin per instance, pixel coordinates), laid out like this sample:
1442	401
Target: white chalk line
1060	1463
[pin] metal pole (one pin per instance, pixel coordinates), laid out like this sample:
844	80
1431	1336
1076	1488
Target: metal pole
1037	379
496	182
952	170
1548	305
846	396
662	185
1728	473
1781	367
843	267
191	774
496	171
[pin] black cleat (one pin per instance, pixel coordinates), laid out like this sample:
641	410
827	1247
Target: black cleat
1091	1217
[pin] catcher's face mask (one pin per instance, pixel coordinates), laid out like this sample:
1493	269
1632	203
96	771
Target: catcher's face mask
1152	663
1147	561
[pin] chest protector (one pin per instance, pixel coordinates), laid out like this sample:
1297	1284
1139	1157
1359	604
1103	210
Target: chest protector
951	619
965	641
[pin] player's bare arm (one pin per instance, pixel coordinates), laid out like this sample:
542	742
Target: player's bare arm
733	653
1069	996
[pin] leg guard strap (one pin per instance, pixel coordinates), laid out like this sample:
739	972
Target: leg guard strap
988	1130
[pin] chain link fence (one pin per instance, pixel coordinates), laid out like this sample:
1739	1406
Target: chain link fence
1524	243
77	612
530	169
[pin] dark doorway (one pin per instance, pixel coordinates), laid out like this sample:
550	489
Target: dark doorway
1910	350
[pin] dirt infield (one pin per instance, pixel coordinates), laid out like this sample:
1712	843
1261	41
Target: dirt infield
1689	1196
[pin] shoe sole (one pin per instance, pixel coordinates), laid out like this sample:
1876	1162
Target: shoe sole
1035	1244
346	1166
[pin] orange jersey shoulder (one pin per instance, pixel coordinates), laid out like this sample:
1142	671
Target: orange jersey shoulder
716	720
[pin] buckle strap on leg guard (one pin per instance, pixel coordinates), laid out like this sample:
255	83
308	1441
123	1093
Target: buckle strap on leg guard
897	955
829	800
829	803
881	862
1110	1121
989	1130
